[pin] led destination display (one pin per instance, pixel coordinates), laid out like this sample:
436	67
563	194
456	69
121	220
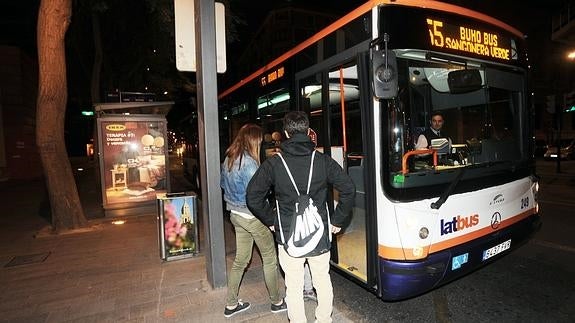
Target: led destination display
467	39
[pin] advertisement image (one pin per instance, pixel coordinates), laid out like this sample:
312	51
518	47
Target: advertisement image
179	227
133	160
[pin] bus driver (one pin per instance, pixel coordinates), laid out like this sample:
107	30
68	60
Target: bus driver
433	132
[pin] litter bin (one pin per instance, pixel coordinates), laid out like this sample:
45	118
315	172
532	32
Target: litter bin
177	223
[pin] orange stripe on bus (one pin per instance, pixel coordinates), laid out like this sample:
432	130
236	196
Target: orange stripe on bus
308	42
407	253
364	8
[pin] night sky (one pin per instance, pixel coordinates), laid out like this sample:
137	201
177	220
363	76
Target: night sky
18	18
529	16
18	23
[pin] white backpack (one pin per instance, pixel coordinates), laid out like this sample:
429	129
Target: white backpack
307	228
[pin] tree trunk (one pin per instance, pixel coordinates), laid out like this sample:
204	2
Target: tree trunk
53	21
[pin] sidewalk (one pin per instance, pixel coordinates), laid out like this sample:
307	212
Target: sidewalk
109	273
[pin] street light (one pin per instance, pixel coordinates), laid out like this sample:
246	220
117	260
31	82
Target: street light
571	55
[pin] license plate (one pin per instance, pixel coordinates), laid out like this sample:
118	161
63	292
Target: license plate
496	250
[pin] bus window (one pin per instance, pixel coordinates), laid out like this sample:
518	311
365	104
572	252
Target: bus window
310	102
481	124
271	109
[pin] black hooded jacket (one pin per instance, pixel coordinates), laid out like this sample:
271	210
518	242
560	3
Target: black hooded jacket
272	174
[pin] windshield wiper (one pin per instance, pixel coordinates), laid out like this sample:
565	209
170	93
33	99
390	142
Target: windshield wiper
437	204
490	163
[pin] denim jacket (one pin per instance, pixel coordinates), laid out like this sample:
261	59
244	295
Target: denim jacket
235	182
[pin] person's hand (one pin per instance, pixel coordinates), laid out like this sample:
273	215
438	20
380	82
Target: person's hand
335	229
272	228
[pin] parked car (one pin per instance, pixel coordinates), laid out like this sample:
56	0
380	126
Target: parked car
567	150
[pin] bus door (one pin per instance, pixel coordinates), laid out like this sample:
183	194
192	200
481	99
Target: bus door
330	94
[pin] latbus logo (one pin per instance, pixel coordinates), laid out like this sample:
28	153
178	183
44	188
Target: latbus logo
459	223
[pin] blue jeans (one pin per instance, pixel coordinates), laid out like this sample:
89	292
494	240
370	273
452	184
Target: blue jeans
248	231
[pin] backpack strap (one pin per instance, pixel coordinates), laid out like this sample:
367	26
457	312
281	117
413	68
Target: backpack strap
280	222
291	177
295	186
310	172
328	221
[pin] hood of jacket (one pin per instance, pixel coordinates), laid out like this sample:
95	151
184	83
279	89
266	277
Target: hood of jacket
298	145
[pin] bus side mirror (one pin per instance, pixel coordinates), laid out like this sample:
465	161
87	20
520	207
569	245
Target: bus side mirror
384	71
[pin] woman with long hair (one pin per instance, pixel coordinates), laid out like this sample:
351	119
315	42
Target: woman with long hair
242	161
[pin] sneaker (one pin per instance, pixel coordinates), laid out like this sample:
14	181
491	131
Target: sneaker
309	295
279	308
239	308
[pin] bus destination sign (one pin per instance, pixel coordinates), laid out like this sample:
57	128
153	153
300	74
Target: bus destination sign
464	39
272	76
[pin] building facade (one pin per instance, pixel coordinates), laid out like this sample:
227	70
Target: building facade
19	158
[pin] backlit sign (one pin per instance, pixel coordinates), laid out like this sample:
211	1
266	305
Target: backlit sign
272	76
468	39
116	127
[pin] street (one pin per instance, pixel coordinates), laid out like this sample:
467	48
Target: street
532	284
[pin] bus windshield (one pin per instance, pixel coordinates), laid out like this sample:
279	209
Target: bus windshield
481	121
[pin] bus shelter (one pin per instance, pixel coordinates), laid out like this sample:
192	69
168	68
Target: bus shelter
133	158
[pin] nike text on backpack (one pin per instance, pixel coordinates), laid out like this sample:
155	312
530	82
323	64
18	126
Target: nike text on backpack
307	228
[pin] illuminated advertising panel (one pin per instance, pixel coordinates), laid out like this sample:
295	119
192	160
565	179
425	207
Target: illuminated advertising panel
178	225
272	76
132	159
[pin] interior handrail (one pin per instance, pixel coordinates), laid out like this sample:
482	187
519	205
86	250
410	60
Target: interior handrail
405	170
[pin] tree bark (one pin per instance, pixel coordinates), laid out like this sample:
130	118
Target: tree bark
53	21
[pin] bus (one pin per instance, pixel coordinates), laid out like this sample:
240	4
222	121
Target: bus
370	82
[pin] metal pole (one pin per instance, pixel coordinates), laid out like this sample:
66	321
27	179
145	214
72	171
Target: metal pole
208	130
559	115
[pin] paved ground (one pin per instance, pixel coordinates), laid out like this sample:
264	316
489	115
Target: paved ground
108	273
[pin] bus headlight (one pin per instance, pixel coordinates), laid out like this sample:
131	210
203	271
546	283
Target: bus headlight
417	252
423	233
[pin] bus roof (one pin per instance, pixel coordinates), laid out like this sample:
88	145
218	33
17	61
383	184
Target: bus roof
357	12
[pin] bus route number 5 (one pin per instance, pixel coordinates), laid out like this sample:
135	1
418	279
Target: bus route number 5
434	27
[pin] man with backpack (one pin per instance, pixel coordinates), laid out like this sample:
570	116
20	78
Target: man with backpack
300	177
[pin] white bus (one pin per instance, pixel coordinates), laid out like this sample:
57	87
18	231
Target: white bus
370	82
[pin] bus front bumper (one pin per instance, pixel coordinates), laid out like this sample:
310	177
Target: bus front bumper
404	279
